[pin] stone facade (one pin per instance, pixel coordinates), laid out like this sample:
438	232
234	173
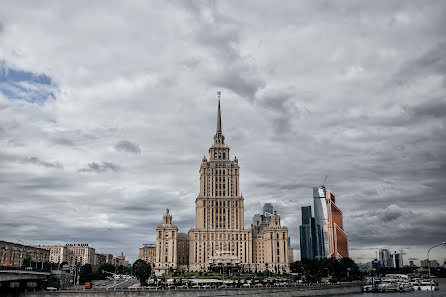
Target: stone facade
166	245
219	223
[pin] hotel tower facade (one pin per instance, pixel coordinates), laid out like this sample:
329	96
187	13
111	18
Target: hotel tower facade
219	237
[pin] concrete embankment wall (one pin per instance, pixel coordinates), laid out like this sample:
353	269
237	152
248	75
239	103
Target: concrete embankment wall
254	292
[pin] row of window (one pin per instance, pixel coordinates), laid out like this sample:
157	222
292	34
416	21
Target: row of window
220	236
219	156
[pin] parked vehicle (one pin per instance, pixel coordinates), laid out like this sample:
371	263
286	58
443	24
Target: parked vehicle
87	285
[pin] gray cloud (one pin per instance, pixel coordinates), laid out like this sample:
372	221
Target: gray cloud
127	146
37	161
100	167
309	90
432	62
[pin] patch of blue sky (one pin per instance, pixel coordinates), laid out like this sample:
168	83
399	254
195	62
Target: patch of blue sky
18	84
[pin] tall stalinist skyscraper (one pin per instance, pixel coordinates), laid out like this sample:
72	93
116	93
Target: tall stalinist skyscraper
219	236
219	214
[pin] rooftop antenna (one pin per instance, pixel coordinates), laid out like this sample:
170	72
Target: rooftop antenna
218	94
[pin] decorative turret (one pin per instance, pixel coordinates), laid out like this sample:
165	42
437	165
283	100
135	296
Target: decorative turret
167	218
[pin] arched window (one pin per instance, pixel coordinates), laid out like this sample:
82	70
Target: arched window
219	155
224	156
215	155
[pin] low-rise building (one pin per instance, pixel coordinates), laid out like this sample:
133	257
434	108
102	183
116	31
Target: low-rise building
13	254
429	263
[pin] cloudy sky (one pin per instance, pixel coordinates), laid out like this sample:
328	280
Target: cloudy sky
107	108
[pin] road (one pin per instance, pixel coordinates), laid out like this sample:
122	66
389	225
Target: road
109	284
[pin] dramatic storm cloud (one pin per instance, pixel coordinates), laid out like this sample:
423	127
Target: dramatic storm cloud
106	111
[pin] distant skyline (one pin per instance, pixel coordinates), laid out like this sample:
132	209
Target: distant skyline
106	110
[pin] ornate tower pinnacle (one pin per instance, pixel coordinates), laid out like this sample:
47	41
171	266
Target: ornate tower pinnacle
219	114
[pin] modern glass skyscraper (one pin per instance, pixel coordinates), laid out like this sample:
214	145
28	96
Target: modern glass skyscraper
311	239
329	217
256	219
306	248
268	209
321	215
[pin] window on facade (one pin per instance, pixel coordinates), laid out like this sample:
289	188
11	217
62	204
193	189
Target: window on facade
224	156
215	155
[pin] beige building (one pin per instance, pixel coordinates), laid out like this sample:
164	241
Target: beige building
270	241
80	254
120	260
58	254
166	245
148	254
108	258
219	223
13	254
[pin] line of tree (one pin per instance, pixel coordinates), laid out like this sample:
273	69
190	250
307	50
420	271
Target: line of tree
381	271
313	270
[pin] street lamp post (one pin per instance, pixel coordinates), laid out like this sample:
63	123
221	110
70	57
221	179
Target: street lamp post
429	263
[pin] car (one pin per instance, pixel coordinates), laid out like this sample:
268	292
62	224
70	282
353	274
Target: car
246	285
196	287
104	284
51	289
183	287
126	280
259	285
222	287
87	285
206	287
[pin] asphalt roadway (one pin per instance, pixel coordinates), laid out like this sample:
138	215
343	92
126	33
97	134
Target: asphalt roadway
109	284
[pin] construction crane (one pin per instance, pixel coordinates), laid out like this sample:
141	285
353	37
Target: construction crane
325	180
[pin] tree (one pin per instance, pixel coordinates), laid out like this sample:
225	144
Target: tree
142	271
85	275
105	267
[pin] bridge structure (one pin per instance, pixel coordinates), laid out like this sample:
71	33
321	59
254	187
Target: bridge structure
22	279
